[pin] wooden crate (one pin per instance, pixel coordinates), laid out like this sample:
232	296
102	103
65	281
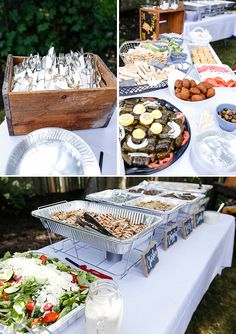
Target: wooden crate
71	109
153	22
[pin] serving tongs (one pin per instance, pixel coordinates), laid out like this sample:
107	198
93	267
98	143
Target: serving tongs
98	226
91	223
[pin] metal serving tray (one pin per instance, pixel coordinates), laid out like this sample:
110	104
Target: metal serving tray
166	216
96	239
112	196
190	205
57	327
177	186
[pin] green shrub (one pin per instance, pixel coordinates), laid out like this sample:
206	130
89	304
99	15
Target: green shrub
14	193
30	26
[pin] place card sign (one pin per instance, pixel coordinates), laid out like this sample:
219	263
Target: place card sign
198	218
170	236
150	258
187	227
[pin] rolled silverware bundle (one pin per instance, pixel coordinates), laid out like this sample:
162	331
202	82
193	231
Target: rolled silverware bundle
73	70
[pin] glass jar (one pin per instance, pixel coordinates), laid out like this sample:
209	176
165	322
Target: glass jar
164	4
174	4
104	308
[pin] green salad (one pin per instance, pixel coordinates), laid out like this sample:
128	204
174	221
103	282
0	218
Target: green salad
37	291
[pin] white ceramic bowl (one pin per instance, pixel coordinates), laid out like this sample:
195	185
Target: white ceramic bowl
175	75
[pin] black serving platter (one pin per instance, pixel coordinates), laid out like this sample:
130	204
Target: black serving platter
177	153
138	89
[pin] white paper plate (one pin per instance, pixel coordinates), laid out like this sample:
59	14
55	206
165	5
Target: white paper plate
52	152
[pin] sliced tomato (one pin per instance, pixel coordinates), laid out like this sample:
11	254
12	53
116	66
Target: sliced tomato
17	278
181	116
50	317
47	307
231	83
35	322
211	81
160	164
1	283
30	305
43	258
75	278
186	137
4	295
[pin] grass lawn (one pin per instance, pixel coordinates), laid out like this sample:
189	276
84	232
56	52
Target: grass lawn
226	50
216	312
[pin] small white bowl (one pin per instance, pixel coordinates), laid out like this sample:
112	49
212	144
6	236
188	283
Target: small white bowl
175	75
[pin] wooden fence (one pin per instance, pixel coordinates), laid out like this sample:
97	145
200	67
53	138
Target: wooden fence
44	185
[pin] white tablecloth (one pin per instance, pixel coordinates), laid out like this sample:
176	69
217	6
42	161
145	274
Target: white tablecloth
220	26
164	302
103	139
183	166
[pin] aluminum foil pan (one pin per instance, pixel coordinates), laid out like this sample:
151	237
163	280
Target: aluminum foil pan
52	151
190	205
166	216
112	196
177	186
58	327
109	244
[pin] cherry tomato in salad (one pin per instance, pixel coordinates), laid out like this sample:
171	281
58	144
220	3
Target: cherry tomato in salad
4	295
1	283
83	287
43	258
17	278
186	137
35	322
30	305
11	281
50	317
75	279
47	307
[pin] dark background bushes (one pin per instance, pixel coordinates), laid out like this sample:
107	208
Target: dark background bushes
30	26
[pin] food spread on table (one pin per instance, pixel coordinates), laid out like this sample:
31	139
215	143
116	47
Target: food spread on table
153	132
37	290
217	75
118	227
156	205
142	73
228	115
73	70
202	55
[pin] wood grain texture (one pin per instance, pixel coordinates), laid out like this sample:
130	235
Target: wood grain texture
72	109
174	20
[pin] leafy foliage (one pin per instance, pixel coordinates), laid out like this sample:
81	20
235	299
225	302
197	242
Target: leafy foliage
31	26
14	193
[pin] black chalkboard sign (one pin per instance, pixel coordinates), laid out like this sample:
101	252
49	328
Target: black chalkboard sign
148	25
187	227
199	218
150	258
170	236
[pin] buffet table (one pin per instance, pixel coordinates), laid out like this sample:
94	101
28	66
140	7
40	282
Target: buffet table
165	301
220	26
102	139
193	112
